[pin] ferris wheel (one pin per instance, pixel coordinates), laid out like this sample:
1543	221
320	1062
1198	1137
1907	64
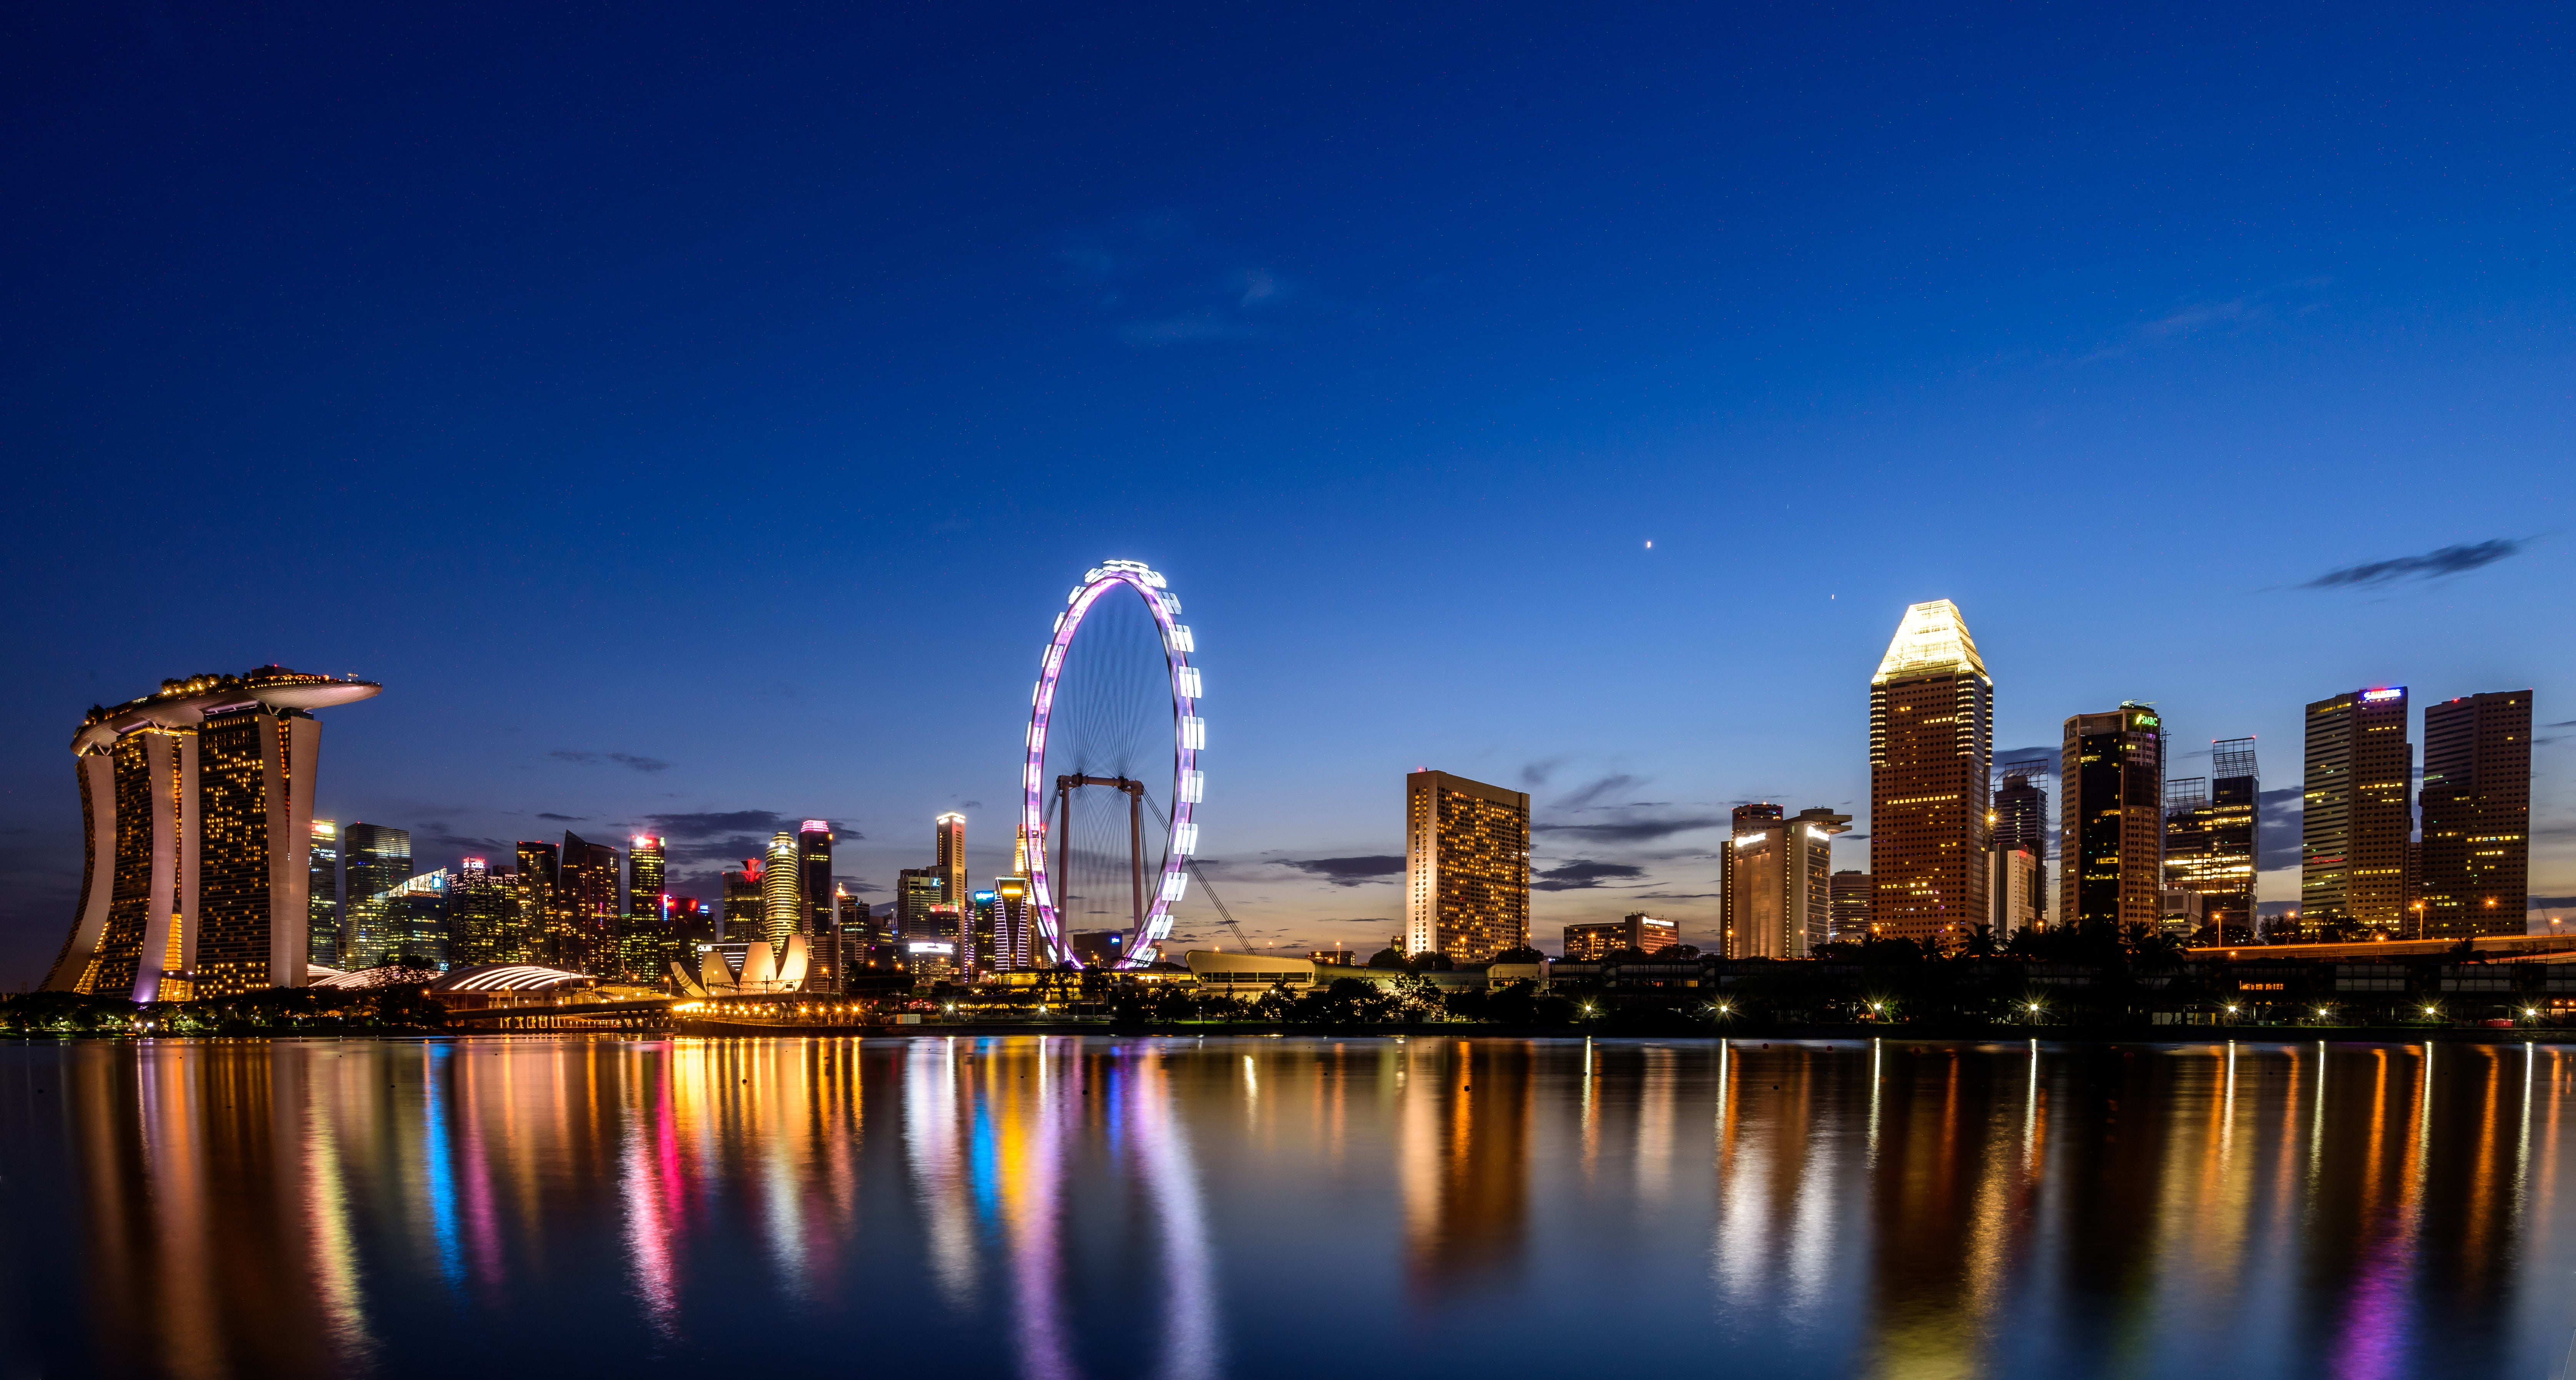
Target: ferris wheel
1112	779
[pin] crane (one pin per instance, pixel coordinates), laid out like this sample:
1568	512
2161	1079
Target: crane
1219	903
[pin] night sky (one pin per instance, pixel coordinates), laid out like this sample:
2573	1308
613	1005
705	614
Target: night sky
695	415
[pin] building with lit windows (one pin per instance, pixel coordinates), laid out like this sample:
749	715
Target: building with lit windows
917	891
2213	841
1776	882
2477	816
322	896
484	911
2111	820
2357	814
949	859
1931	751
2019	819
414	922
1646	934
1848	894
197	814
1013	949
1466	867
782	891
585	930
542	914
646	875
742	891
377	859
2013	890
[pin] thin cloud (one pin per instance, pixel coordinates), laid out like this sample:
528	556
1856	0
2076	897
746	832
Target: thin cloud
1634	830
1590	795
2432	565
2280	823
1376	867
624	759
1584	874
565	819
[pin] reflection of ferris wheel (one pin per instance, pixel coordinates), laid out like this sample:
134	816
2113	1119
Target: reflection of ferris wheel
1113	708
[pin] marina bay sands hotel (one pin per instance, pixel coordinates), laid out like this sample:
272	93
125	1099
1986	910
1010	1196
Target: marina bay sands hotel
197	807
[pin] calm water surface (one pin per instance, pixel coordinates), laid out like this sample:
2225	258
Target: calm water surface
1179	1208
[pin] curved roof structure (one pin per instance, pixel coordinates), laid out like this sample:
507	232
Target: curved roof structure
387	975
186	703
507	977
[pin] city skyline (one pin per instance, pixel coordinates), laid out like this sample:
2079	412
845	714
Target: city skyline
1369	400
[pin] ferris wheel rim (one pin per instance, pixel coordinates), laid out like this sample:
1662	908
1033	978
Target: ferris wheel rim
1188	737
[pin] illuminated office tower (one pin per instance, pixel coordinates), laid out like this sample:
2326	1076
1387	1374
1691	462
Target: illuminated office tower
1013	950
2111	820
814	873
1931	747
377	859
2356	813
586	897
1778	875
1849	895
1466	867
646	875
950	859
322	897
980	947
742	887
2212	836
541	910
1748	819
693	922
2477	815
917	891
415	923
483	917
782	895
196	806
2020	820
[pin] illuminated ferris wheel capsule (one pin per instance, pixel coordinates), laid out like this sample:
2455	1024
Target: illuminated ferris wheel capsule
1108	694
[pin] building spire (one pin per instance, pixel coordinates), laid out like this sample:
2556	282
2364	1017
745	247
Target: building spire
1932	641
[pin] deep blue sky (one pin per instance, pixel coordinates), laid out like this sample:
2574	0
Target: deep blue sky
740	391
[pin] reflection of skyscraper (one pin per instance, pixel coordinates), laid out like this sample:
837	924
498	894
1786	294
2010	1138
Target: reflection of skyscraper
322	897
2477	815
2356	811
1466	867
1462	1147
1931	743
1777	879
782	893
377	860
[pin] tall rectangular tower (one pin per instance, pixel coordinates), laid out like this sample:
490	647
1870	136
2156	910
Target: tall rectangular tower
377	860
1779	898
2477	815
1466	867
2357	813
1931	751
322	897
646	875
586	892
2111	820
949	859
2020	821
2211	839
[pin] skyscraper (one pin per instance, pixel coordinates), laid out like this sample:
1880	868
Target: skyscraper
2020	816
742	888
322	897
1778	883
1013	950
484	917
2111	820
415	926
2212	842
2356	813
814	871
1931	749
1849	892
950	859
377	859
586	891
645	879
917	891
782	895
2477	815
1466	867
543	917
1748	819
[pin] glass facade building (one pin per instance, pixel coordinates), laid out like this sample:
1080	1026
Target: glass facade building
377	860
1776	882
2212	840
322	896
2111	821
